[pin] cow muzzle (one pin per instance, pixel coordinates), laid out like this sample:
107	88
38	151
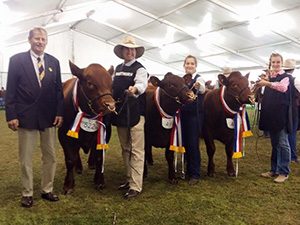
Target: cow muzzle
108	104
191	96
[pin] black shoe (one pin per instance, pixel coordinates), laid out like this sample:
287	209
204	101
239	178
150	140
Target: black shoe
193	181
124	186
50	197
27	201
131	194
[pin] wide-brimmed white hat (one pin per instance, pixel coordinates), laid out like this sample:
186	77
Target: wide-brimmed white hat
226	71
129	42
289	64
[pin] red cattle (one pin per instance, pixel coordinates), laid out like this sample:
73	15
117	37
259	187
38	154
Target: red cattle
87	100
236	93
172	93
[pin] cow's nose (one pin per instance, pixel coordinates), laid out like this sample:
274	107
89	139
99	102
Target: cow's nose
111	106
191	95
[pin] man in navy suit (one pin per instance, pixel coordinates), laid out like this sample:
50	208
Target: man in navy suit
34	107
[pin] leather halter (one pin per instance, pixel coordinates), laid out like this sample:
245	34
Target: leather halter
91	101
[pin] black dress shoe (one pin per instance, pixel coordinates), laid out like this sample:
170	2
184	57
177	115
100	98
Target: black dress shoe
131	194
50	197
124	186
26	201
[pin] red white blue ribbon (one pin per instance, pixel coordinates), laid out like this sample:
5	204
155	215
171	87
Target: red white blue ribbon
159	108
176	135
74	131
241	126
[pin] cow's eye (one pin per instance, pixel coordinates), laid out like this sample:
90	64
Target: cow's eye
90	85
171	86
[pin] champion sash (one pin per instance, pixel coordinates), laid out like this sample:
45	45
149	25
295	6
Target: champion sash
241	126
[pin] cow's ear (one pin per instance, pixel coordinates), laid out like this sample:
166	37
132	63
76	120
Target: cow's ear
155	81
223	80
247	75
111	70
75	70
187	78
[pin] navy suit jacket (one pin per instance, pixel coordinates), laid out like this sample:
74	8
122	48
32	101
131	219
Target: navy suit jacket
35	107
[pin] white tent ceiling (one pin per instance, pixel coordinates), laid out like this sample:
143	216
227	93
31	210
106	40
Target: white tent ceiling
217	32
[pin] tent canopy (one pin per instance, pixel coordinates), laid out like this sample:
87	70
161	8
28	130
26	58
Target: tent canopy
231	33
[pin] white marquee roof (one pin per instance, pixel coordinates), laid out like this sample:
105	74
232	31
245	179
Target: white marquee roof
239	34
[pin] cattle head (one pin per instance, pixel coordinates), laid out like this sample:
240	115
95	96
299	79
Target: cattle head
94	89
174	87
237	88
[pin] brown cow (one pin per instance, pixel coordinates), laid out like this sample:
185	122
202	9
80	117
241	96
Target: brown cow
173	93
93	91
236	94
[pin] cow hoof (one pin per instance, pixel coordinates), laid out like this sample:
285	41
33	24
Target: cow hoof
231	174
91	167
210	174
150	162
79	171
173	181
99	187
68	191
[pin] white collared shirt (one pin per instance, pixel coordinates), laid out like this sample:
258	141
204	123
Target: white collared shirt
201	81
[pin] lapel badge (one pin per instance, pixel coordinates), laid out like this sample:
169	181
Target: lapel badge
50	69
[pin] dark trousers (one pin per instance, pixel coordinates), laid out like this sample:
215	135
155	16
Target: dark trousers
191	135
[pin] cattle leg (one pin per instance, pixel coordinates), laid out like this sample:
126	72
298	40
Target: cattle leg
210	149
78	164
148	150
148	153
99	175
171	170
91	159
70	159
148	156
229	167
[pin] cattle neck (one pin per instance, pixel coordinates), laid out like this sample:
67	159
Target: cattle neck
167	105
225	100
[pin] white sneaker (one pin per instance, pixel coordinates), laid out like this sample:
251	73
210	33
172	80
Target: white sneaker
281	178
268	174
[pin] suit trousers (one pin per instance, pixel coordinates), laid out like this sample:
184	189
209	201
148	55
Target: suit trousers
132	144
27	144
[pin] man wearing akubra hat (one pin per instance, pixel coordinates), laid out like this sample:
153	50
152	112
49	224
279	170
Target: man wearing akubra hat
289	66
129	85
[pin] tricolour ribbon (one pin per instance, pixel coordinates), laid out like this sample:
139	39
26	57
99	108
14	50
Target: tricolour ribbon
176	135
241	126
74	131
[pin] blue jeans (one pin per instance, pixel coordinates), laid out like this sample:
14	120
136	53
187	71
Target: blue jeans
293	141
281	152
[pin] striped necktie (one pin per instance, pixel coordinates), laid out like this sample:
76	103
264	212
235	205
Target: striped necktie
41	68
